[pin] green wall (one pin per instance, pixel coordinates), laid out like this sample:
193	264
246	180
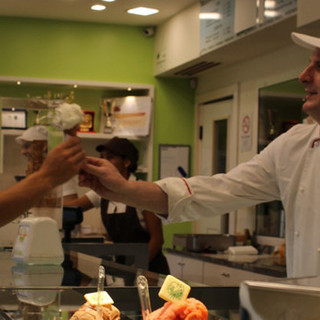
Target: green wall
37	48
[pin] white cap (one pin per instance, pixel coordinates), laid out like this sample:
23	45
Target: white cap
306	41
32	134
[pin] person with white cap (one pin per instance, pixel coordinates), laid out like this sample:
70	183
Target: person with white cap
34	146
286	170
61	163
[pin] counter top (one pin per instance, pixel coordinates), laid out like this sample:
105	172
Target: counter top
264	264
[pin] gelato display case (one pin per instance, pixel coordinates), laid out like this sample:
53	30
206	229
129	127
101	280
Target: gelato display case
57	291
296	298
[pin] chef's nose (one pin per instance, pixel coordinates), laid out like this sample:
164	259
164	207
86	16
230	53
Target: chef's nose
306	75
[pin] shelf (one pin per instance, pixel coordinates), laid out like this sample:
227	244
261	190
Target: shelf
98	135
12	132
94	135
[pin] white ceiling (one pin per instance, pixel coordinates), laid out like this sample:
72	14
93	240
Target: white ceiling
79	10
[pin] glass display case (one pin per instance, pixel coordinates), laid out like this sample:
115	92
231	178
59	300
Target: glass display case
56	291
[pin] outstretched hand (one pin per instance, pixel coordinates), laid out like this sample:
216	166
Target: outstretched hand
63	162
103	177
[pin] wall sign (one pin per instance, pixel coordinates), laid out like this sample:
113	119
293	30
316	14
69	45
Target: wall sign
218	27
14	119
246	133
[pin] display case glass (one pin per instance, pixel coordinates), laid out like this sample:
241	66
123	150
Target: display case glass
55	292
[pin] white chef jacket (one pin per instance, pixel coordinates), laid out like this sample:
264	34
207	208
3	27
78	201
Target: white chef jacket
288	169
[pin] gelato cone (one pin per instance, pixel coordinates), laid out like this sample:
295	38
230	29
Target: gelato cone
68	118
89	312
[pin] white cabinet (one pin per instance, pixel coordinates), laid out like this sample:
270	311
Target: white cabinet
215	274
209	273
185	268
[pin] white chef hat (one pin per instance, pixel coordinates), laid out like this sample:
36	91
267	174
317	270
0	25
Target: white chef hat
306	41
32	134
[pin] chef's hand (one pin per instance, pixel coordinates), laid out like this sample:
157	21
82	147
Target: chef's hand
103	177
106	180
63	162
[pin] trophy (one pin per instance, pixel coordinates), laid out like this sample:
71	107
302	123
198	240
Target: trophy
108	106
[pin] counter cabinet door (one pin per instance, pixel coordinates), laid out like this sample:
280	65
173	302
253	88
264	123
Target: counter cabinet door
185	268
215	274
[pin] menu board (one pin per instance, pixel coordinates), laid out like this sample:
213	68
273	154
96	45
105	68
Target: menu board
219	28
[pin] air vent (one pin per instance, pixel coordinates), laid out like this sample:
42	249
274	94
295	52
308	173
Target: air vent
199	67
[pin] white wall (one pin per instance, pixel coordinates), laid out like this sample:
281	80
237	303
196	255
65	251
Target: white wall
279	66
177	40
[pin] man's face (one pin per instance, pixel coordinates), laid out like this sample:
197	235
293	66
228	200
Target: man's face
32	149
310	77
27	149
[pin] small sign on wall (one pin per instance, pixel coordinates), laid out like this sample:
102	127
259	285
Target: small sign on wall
246	132
14	119
174	161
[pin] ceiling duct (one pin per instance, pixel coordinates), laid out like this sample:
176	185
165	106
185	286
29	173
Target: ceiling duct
199	67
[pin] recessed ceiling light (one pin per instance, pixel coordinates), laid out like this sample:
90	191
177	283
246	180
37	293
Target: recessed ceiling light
271	13
98	7
142	11
210	16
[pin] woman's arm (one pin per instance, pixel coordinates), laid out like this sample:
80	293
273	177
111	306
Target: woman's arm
154	228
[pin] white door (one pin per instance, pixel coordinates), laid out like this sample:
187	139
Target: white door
215	153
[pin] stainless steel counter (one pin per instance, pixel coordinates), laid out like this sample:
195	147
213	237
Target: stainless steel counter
57	291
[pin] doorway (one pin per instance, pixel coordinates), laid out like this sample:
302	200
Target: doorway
214	152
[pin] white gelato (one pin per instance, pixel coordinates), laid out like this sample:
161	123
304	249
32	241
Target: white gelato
67	116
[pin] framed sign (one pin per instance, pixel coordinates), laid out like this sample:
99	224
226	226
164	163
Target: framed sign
174	160
14	119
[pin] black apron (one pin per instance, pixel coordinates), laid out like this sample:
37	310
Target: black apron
125	228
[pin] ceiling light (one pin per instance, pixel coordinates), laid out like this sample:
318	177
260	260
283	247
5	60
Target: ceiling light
269	4
98	7
210	16
271	13
142	11
108	0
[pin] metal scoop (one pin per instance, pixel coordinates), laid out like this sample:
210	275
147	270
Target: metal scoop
143	289
100	288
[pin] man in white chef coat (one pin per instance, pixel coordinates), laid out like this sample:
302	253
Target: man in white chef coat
286	170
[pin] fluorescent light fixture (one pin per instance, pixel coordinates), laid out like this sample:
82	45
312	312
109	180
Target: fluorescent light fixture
108	0
210	16
271	13
98	7
269	4
142	11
